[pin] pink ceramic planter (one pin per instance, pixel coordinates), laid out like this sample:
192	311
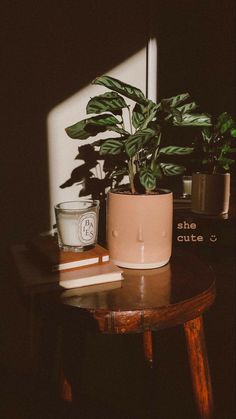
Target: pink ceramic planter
139	229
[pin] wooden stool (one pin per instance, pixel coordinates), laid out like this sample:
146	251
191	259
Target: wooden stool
148	300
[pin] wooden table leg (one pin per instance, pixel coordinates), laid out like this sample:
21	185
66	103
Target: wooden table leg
148	347
198	360
73	336
65	390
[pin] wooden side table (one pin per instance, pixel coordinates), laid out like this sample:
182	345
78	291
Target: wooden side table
147	300
150	300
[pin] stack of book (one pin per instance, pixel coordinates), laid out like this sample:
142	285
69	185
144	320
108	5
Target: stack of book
73	269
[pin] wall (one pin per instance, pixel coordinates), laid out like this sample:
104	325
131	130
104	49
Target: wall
50	50
62	150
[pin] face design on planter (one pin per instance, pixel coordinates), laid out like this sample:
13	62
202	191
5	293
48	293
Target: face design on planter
138	239
139	234
139	230
132	236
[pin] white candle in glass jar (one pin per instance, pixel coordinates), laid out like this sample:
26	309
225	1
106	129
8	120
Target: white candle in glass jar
187	185
77	229
77	224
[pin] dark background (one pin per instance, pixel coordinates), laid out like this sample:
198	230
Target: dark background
51	49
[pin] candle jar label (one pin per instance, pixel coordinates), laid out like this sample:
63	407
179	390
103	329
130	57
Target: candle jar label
77	224
87	228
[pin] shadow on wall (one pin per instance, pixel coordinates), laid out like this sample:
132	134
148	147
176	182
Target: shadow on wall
75	168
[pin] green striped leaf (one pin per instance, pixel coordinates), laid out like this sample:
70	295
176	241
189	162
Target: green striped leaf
156	168
187	108
142	115
225	162
111	146
107	102
136	141
233	132
91	126
77	131
223	150
133	145
147	179
138	115
193	120
121	172
103	120
123	88
224	122
170	169
174	150
99	143
151	115
117	129
224	127
175	100
176	114
227	124
206	133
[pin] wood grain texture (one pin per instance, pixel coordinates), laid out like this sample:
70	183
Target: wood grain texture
150	299
176	294
198	361
148	347
147	300
139	321
66	390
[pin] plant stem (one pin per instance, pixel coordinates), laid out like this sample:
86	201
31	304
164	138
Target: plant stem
131	175
130	120
122	122
131	164
157	150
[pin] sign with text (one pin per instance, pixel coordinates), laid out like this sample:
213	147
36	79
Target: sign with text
202	231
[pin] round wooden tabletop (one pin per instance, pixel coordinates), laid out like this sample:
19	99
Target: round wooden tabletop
148	299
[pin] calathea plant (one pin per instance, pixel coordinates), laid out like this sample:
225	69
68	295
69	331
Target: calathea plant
136	148
217	144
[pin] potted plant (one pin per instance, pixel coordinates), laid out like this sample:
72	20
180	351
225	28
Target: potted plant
211	185
139	216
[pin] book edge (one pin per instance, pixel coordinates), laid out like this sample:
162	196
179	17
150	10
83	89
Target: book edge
39	253
76	264
93	280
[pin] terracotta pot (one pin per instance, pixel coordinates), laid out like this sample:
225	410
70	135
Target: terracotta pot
210	193
139	229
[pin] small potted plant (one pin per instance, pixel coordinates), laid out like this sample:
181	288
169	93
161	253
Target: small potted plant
139	215
211	185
